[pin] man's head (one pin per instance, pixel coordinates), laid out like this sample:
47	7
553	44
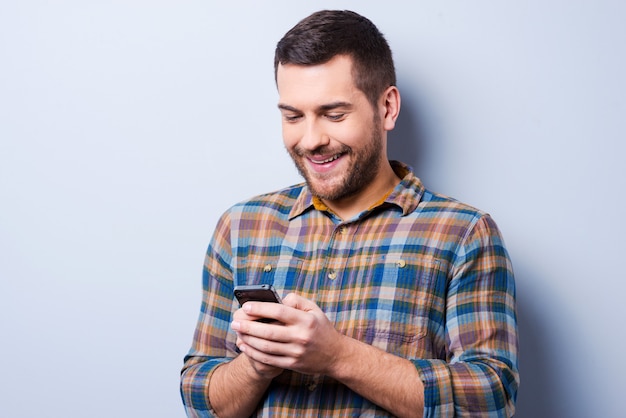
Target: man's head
325	34
338	100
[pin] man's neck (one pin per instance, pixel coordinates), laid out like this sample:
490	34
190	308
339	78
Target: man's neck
373	195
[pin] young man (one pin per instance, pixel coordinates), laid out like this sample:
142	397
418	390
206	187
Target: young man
398	301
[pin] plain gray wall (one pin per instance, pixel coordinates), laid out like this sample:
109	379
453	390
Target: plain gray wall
128	127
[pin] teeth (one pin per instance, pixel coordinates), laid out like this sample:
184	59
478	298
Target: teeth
333	158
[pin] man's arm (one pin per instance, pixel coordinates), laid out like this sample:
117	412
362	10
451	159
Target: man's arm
215	379
236	388
480	372
224	387
388	381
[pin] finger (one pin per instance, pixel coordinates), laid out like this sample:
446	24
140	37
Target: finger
265	310
256	355
240	314
263	346
266	331
268	359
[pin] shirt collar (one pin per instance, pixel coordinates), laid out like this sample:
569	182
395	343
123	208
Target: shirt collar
406	195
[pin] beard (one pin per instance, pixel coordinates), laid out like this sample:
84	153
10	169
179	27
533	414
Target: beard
364	167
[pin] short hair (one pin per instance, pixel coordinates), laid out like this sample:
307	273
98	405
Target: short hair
325	34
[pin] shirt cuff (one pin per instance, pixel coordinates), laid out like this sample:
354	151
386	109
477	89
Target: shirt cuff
437	380
197	403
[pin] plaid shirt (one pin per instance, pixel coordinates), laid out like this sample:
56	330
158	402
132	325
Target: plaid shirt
418	275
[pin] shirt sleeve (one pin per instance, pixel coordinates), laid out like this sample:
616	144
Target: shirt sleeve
213	342
480	375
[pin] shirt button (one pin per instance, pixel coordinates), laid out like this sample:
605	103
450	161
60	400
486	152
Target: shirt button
343	230
267	268
401	263
332	275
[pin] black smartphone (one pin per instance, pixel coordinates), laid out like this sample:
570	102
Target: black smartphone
256	292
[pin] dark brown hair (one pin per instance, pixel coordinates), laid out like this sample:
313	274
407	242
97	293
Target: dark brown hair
325	34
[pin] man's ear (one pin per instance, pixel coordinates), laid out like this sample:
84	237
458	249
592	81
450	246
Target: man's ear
390	107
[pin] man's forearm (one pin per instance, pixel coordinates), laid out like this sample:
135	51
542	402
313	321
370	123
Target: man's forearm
236	389
389	381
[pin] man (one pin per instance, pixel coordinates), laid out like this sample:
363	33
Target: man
399	301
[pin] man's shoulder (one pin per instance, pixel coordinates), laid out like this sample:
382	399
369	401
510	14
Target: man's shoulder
433	202
419	201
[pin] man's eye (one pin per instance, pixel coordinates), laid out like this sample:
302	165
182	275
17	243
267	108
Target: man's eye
335	116
292	118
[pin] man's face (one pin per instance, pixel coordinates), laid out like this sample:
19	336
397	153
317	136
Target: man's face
330	129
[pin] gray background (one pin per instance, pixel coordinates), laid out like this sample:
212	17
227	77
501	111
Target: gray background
128	127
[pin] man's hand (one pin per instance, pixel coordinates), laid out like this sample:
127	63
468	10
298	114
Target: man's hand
262	369
303	339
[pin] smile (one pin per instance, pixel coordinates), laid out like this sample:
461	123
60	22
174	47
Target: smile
328	160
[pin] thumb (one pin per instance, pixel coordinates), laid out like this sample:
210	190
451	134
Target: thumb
298	302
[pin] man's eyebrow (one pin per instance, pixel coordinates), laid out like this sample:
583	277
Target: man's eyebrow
322	108
288	108
334	105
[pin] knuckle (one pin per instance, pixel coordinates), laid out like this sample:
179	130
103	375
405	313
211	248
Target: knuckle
304	340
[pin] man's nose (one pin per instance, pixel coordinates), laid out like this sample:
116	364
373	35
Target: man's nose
313	137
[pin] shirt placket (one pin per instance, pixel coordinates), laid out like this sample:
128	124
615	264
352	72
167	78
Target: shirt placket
333	266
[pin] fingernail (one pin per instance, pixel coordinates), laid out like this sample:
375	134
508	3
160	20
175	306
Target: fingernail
235	325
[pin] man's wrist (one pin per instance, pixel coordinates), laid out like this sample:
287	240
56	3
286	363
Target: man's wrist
342	365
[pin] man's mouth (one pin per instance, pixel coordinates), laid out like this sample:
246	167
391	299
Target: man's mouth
326	160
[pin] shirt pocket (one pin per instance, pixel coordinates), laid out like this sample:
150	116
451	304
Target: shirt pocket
392	308
285	273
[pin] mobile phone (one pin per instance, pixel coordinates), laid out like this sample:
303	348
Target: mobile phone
256	292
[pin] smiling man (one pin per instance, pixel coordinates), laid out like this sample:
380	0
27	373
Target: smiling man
335	136
397	301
